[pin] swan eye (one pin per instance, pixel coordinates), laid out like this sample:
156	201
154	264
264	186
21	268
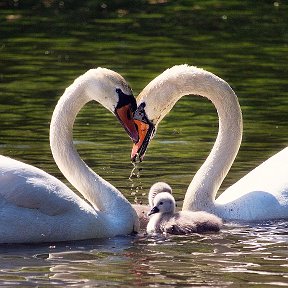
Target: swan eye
129	114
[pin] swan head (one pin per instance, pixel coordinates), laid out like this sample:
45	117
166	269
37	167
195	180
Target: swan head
154	102
112	91
157	188
146	130
164	202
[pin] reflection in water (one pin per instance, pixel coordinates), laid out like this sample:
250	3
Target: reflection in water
44	49
249	253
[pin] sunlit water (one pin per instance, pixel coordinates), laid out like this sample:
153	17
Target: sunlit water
239	255
244	42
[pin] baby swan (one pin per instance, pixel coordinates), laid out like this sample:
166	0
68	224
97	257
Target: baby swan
157	188
164	219
142	210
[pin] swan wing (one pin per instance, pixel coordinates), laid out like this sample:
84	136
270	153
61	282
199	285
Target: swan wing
261	192
26	186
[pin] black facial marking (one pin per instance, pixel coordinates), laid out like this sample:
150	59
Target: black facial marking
125	99
140	115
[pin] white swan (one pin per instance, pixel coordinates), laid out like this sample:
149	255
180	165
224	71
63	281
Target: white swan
36	207
164	218
261	195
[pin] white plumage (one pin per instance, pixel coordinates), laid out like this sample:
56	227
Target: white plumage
260	195
36	207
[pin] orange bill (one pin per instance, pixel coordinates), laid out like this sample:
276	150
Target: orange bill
125	117
146	132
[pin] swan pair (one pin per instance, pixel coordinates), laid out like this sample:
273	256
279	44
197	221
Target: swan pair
260	195
164	218
36	207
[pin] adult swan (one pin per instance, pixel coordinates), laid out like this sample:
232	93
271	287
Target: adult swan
36	207
261	195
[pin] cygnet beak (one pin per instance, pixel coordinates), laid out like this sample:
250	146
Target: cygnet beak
154	210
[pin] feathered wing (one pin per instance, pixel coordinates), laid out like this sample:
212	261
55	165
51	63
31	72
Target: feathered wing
28	187
271	177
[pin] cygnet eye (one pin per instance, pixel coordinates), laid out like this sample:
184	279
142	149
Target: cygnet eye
161	203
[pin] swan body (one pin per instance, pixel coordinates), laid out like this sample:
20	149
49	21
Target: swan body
261	195
264	191
164	219
142	210
37	207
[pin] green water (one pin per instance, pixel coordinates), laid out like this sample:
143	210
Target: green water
46	45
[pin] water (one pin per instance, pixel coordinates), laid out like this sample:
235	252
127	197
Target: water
45	46
239	255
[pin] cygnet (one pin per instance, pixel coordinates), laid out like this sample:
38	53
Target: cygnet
164	219
143	210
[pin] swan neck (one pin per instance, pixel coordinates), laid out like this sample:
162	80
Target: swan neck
102	195
61	140
182	80
202	190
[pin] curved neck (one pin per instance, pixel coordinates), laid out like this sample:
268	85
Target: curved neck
101	194
202	190
184	80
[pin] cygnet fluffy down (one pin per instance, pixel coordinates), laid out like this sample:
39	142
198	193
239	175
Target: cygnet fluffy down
164	219
143	210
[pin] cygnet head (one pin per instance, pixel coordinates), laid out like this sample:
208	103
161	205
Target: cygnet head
164	202
157	188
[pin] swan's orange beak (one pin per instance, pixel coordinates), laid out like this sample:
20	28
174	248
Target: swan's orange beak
146	133
125	117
